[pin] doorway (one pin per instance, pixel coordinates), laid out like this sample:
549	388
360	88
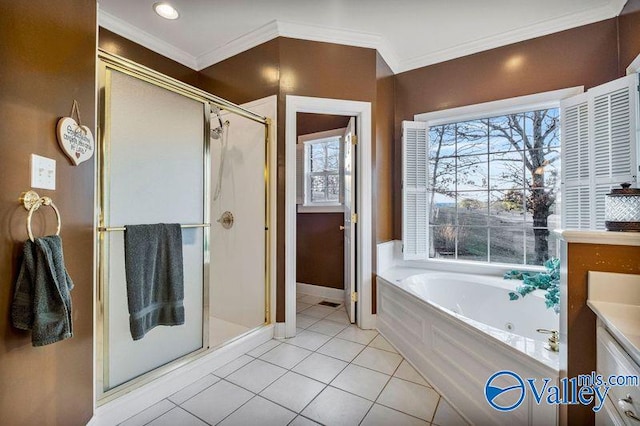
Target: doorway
362	239
325	274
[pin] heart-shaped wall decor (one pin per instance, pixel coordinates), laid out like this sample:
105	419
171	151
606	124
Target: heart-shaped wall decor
76	141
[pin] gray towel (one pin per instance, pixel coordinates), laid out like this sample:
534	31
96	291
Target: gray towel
42	299
155	281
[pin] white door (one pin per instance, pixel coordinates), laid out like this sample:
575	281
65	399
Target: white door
349	223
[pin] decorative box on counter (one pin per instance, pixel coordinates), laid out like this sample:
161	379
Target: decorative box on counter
622	209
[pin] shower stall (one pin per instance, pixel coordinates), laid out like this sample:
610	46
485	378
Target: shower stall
171	153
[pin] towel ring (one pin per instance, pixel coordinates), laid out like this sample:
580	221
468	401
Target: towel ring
32	202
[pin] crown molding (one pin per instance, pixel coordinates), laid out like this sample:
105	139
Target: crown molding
243	43
277	28
550	26
137	35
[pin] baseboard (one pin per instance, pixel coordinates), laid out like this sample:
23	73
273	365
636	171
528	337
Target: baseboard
120	409
320	291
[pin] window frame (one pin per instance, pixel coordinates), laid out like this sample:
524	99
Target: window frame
486	110
322	137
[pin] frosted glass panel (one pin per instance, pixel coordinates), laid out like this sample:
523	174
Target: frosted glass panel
155	160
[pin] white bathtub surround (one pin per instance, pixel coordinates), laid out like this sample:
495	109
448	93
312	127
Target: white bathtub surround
451	327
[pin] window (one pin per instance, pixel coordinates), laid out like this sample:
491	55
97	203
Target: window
481	183
493	186
320	174
322	169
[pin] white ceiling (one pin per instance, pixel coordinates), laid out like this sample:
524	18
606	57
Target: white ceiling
408	33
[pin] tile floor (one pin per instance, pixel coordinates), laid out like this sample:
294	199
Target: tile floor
331	373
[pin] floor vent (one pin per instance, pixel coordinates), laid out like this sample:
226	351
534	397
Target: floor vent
332	304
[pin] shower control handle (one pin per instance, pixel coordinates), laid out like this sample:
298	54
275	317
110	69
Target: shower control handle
226	220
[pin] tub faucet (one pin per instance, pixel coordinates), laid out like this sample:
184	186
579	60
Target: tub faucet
554	340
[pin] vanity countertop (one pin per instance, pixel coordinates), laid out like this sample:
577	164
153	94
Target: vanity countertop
615	299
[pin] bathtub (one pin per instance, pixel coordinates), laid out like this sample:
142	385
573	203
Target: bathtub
459	329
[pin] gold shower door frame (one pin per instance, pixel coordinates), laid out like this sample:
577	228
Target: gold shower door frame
107	63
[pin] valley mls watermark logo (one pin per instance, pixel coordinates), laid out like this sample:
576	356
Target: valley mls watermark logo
513	388
506	390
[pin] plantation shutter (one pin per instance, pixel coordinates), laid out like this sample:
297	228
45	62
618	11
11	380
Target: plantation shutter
613	109
300	174
598	149
576	163
414	190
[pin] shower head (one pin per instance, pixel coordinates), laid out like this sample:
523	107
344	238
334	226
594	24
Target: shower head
217	132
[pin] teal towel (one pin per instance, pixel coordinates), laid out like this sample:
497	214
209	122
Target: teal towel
155	277
42	298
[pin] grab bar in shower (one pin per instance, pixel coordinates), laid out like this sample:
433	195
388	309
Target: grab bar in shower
122	228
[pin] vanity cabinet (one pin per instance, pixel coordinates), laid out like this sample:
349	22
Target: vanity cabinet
623	402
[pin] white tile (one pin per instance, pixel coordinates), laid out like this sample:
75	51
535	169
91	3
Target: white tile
193	389
361	381
407	372
309	340
285	355
300	306
330	328
303	321
177	416
263	348
320	367
341	349
382	416
302	421
256	375
339	316
446	415
217	402
381	343
259	411
151	413
311	300
318	311
232	366
410	398
379	360
355	334
336	407
293	391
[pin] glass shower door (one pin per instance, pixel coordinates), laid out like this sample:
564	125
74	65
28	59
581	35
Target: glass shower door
154	171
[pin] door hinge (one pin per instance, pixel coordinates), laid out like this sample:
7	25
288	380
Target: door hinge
354	217
354	139
354	296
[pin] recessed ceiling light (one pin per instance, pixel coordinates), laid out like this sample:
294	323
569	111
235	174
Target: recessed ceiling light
166	10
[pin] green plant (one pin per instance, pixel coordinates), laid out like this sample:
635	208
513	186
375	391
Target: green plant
549	281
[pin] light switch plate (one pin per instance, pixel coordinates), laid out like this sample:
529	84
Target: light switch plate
43	172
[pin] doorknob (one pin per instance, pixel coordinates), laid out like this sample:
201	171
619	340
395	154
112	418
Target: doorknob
341	228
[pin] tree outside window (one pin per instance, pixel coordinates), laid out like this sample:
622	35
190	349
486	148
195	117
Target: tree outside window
494	185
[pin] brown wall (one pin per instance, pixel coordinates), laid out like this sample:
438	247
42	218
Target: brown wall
384	162
48	60
629	37
113	43
581	321
320	249
250	75
307	123
585	55
319	241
